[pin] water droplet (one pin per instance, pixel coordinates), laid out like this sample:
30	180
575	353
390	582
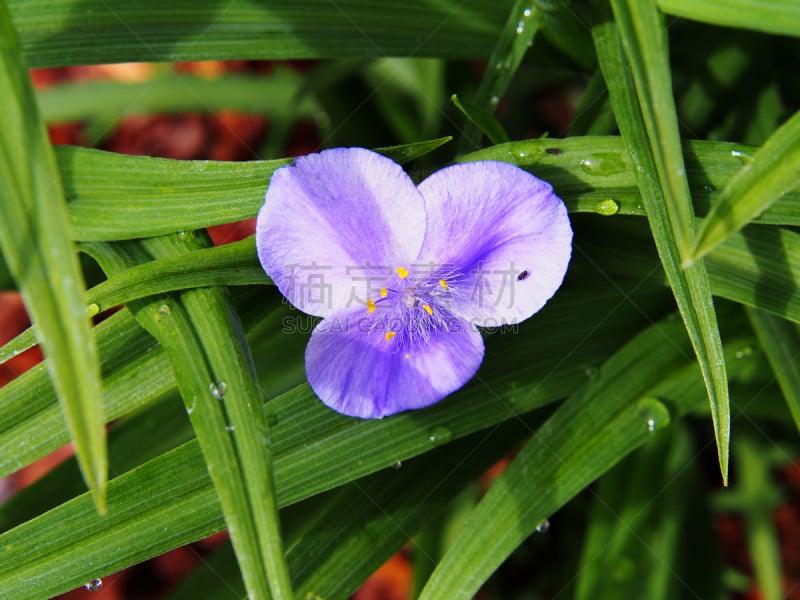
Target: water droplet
745	352
709	188
94	585
164	309
742	156
230	428
218	389
527	13
654	413
590	371
530	43
498	65
190	409
93	309
494	100
181	234
608	207
397	465
440	435
604	164
543	526
520	27
523	154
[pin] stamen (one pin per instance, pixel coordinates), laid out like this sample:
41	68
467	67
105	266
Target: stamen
390	335
443	283
427	309
370	306
402	272
384	292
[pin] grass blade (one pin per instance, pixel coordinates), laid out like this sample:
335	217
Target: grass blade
232	370
771	16
657	177
781	343
71	32
644	41
482	119
595	428
35	241
771	172
510	48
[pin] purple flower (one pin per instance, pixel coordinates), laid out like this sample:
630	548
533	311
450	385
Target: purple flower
403	274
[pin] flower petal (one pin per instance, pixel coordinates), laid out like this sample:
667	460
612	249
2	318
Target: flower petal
356	371
333	222
504	233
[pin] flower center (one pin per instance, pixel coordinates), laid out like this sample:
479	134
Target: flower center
408	309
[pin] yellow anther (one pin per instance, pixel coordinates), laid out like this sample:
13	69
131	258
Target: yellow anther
402	272
443	283
427	309
406	355
390	335
384	292
370	306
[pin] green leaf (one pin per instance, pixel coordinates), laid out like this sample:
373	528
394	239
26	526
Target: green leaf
372	518
58	32
123	197
511	46
760	501
771	172
35	242
771	16
649	531
596	174
608	418
275	95
781	343
644	40
229	264
482	119
170	501
234	385
758	267
198	334
643	120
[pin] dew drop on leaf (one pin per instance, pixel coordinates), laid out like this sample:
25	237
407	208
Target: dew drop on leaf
440	435
655	414
543	526
218	389
94	585
607	207
742	156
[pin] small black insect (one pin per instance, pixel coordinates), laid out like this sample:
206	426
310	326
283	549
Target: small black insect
522	276
553	150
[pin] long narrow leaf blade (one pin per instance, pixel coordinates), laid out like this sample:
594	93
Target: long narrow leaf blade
590	432
771	16
70	32
768	174
781	343
657	177
34	238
